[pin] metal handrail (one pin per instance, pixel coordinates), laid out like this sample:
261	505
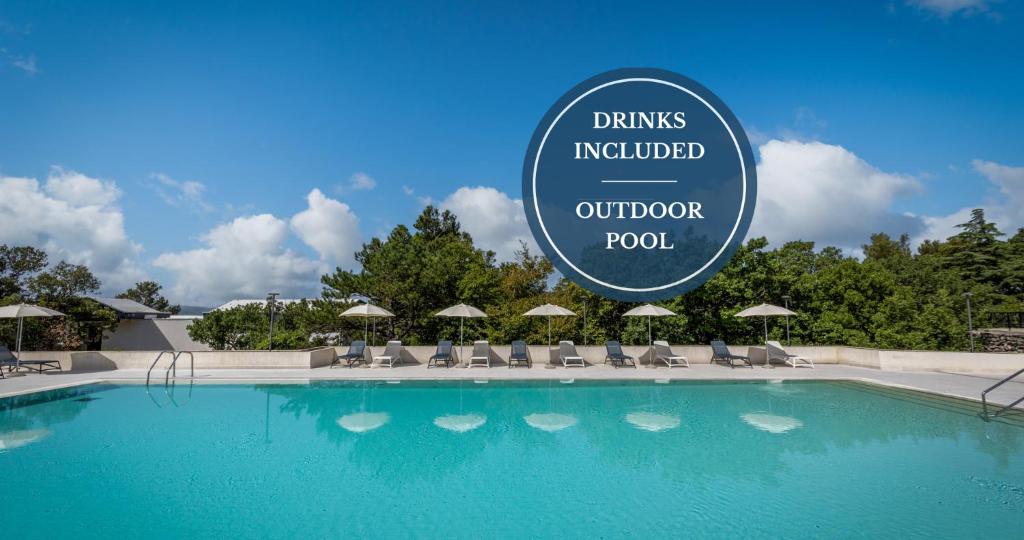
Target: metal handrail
174	366
984	402
153	365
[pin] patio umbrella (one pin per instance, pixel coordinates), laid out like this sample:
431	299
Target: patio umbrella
367	311
549	310
765	311
463	312
20	311
648	310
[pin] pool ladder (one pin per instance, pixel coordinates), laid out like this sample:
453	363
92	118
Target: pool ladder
172	369
984	402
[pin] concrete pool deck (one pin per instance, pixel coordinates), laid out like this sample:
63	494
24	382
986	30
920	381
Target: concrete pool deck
959	385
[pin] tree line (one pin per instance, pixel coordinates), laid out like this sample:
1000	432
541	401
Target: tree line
891	297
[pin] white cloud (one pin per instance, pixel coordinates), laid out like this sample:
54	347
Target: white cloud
330	227
244	258
361	181
1006	209
408	191
72	217
826	194
24	63
181	193
494	220
948	8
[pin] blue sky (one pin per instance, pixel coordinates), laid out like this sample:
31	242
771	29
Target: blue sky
186	122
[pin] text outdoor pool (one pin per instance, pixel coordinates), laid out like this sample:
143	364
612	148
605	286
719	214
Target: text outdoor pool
458	459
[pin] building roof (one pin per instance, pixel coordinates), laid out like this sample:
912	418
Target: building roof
237	302
282	301
129	308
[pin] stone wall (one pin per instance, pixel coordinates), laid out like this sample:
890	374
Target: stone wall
1001	342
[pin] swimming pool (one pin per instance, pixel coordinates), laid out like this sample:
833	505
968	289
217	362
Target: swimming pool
541	459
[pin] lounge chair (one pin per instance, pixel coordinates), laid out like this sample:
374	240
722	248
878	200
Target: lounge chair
443	354
7	359
613	352
568	355
481	354
519	354
392	354
664	353
776	352
354	355
720	353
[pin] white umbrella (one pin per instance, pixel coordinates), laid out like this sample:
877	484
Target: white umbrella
649	310
463	312
460	423
367	311
362	422
20	311
765	311
549	310
550	422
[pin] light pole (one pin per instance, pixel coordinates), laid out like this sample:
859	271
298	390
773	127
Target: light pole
970	322
272	303
786	298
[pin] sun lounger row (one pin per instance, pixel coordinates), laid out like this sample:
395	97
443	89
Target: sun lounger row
567	355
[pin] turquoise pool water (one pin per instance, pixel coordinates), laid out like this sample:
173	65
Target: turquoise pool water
463	460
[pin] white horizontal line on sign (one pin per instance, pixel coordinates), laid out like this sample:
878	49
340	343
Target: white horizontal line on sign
639	181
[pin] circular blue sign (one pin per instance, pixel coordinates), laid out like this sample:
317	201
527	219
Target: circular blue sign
639	184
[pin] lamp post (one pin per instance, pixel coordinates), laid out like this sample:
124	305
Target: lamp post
272	303
786	298
970	322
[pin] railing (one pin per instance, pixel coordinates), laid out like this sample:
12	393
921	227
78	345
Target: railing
173	367
984	401
1006	319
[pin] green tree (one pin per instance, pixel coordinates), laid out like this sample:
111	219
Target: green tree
17	265
416	274
148	294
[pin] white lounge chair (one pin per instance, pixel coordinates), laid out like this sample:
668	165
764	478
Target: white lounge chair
392	354
568	355
481	354
664	353
776	352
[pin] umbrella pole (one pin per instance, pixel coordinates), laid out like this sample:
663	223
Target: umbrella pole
650	343
462	321
21	321
767	361
366	327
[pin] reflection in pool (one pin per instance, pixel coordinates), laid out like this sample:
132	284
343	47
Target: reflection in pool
363	421
16	439
324	454
653	421
772	423
550	422
460	423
